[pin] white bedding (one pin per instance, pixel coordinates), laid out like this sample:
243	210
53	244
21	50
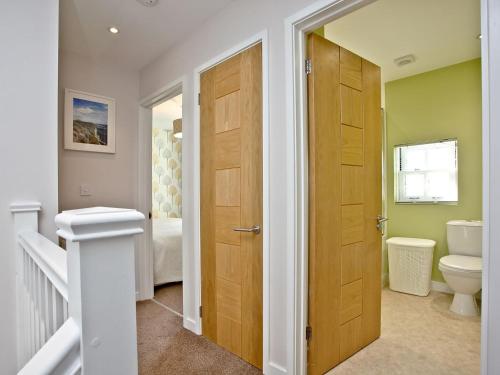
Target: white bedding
167	250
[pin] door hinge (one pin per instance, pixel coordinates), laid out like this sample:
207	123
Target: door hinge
308	333
308	66
201	311
150	215
199	99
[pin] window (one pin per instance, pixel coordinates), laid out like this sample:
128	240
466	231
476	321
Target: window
426	172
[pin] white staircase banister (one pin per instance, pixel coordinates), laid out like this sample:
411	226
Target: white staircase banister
101	285
49	257
59	355
76	308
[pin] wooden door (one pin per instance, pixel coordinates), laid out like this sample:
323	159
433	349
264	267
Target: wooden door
344	202
231	198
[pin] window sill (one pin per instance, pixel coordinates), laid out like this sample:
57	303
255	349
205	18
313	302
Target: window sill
454	203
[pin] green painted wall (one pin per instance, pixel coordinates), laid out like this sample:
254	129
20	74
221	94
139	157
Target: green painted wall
444	103
320	31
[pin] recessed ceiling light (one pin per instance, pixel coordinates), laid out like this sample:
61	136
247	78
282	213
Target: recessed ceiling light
113	30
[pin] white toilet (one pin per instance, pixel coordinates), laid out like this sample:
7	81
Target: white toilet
462	269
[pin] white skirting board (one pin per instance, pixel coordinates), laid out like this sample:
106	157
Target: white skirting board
190	324
275	369
385	280
436	286
439	286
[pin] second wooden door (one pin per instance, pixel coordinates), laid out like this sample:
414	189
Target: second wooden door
344	202
231	204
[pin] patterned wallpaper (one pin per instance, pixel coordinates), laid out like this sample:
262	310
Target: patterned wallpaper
167	174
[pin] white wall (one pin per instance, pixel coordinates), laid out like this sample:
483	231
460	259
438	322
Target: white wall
236	23
28	146
112	178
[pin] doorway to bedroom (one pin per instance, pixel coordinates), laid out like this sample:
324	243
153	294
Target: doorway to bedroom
166	199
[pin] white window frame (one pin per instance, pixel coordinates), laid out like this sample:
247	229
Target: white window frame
400	195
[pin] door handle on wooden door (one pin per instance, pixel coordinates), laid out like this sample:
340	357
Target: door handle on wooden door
380	221
255	229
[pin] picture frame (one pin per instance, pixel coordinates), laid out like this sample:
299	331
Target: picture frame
89	122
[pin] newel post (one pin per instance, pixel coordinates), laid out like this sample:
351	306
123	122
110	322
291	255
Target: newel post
101	285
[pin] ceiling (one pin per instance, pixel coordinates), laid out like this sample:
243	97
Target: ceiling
165	113
145	32
438	32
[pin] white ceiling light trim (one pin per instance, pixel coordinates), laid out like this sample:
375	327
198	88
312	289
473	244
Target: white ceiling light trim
404	60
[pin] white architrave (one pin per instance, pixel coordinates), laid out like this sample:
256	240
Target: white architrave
195	324
490	304
144	253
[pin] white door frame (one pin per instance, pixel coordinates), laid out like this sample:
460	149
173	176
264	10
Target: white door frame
296	28
144	255
258	38
490	303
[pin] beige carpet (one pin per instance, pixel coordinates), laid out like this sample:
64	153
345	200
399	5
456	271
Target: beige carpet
167	348
170	295
419	336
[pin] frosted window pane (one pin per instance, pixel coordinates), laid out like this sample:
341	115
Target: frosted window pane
414	159
442	157
426	172
439	185
415	185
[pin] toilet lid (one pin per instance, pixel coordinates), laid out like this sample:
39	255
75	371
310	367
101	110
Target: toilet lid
462	263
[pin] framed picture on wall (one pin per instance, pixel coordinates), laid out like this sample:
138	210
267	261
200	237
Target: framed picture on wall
89	122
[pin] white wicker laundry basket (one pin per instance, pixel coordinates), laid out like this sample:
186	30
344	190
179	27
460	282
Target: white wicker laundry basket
410	265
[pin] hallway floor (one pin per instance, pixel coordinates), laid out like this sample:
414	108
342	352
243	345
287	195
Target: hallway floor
419	336
170	295
166	348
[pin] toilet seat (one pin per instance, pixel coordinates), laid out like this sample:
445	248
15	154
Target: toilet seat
461	263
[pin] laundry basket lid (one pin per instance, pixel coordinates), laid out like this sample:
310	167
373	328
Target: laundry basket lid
414	242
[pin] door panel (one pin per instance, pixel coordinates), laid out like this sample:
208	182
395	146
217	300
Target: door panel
351	301
227	149
227	187
351	109
350	69
352	145
231	196
227	218
344	201
227	112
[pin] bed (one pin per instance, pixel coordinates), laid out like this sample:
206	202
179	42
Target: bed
167	250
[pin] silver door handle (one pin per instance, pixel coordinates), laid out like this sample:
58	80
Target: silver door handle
380	221
255	229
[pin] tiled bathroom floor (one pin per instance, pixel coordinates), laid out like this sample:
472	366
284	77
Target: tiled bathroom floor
419	336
